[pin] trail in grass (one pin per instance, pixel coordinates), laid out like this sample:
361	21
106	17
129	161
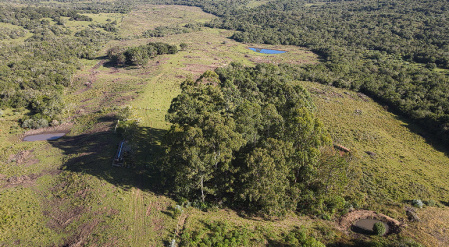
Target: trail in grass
137	208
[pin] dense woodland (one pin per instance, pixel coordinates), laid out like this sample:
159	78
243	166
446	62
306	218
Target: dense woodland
139	55
34	73
395	51
170	30
248	137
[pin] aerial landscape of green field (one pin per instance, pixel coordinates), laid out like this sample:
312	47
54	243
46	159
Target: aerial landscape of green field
153	123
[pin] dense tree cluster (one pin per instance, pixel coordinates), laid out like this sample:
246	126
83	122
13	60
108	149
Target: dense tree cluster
34	73
109	27
216	7
30	17
249	136
170	30
139	55
117	6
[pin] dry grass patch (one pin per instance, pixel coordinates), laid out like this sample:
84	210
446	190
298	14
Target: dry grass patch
433	228
151	16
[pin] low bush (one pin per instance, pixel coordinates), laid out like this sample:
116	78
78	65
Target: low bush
35	123
219	234
417	203
431	203
177	211
379	229
301	237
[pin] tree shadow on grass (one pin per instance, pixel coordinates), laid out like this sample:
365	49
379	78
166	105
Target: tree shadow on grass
428	136
93	152
416	127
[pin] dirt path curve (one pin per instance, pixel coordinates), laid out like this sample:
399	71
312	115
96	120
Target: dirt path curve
93	72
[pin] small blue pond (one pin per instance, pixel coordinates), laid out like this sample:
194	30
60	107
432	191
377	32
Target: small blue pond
266	51
43	137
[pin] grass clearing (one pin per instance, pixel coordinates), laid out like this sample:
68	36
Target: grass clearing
151	16
397	164
400	166
100	18
15	41
256	3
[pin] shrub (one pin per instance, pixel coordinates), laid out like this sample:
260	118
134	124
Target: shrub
27	124
301	237
417	203
379	229
54	122
35	123
177	211
41	123
431	203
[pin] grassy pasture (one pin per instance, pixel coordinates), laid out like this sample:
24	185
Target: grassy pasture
256	3
152	16
101	18
402	165
13	41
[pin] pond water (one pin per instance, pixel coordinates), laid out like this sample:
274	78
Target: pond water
366	226
43	137
266	51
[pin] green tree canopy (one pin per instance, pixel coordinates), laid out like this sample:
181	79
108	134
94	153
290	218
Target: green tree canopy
246	135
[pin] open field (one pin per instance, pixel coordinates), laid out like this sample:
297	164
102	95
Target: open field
395	163
392	163
152	16
66	192
101	18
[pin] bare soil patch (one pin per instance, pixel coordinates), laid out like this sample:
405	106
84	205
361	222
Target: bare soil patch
26	158
25	180
199	68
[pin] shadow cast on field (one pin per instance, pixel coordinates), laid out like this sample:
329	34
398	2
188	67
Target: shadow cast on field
430	138
93	152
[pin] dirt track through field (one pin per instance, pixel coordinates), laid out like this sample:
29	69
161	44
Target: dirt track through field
137	208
